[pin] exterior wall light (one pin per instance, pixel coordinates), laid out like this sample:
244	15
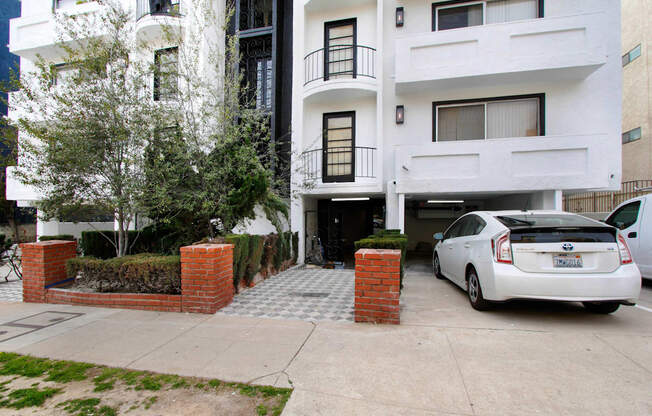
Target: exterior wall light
400	114
400	17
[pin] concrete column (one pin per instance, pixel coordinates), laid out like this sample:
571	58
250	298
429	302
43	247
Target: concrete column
297	225
552	200
401	213
391	207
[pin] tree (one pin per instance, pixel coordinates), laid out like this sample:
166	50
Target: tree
84	127
208	172
197	156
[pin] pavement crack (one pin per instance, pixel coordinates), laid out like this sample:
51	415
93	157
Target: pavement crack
284	369
636	363
459	370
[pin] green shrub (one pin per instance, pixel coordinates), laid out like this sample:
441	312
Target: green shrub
64	237
162	239
269	251
295	247
256	246
140	273
392	241
240	255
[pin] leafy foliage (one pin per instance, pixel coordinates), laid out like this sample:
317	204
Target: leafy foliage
387	239
140	273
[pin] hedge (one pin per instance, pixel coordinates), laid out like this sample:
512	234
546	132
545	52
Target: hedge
240	255
151	239
140	273
256	247
386	239
64	237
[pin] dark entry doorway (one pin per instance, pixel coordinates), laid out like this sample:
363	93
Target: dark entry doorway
342	223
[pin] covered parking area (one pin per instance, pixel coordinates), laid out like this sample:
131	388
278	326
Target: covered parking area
426	214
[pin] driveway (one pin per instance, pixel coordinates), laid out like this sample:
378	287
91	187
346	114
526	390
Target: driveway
444	358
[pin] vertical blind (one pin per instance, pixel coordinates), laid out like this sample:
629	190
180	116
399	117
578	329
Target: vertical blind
504	119
500	11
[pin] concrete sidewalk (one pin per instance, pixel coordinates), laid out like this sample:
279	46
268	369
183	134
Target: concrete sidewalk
444	359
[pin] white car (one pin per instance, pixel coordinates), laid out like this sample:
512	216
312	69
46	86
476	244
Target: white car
551	255
634	220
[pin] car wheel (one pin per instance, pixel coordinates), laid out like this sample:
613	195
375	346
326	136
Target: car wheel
474	290
436	267
601	307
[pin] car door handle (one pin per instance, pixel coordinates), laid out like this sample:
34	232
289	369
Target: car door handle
450	247
467	245
632	235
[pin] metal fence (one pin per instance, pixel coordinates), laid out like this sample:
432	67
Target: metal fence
606	201
340	61
360	158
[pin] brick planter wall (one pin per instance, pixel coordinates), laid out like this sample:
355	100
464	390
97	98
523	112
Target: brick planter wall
206	280
377	286
44	266
206	277
141	301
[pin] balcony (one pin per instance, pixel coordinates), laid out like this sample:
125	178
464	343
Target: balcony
548	49
34	35
499	165
338	167
153	15
348	69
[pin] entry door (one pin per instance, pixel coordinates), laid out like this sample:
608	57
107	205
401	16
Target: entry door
339	49
338	158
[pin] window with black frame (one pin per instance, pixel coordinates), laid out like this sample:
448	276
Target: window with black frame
258	70
458	14
338	159
340	49
255	14
166	62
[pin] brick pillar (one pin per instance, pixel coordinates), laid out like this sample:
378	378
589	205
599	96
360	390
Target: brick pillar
377	286
206	277
44	265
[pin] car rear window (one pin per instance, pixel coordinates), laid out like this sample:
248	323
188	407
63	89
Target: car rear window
545	220
567	235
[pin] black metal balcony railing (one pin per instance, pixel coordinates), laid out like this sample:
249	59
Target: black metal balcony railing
156	7
338	164
340	61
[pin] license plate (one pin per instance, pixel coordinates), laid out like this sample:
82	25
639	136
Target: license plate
567	260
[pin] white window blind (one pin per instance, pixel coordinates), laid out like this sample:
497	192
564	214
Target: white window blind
518	118
500	11
461	123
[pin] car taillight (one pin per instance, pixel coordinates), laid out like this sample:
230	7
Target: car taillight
502	248
625	255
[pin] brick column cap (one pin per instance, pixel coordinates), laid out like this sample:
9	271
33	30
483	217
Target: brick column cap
44	244
206	248
373	253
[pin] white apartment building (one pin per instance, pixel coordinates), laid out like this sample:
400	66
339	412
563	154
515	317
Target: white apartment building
258	25
407	114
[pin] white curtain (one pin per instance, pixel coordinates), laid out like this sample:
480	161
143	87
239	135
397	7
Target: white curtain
460	123
518	118
500	11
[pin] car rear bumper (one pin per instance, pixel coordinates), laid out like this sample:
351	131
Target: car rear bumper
624	284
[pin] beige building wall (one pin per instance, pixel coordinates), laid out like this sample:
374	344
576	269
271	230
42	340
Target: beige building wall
637	88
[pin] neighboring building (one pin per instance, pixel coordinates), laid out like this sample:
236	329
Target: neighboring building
637	97
9	9
408	114
265	41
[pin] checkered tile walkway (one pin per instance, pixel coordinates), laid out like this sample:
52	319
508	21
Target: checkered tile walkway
301	293
11	291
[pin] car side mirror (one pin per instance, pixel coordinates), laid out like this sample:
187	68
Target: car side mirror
438	236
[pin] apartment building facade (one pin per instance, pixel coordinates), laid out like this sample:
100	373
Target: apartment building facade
407	114
264	35
637	81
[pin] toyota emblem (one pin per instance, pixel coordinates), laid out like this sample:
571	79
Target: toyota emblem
567	247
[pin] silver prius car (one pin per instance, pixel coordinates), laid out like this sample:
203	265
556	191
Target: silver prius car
551	255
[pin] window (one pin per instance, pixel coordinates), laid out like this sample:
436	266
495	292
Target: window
473	226
625	216
631	55
338	159
78	72
339	49
264	83
165	76
61	73
632	135
255	14
458	14
455	230
492	118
